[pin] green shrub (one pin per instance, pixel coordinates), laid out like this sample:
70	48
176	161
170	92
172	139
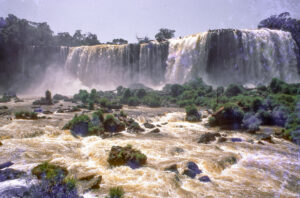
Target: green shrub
176	90
152	100
76	119
116	192
99	115
49	171
276	85
133	101
184	103
83	96
211	121
234	90
192	114
26	115
126	95
141	93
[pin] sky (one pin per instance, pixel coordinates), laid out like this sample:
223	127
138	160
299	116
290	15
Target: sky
127	19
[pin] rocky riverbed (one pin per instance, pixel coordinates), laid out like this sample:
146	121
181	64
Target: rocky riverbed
182	160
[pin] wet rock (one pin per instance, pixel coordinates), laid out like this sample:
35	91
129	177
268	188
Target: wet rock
134	127
18	100
178	150
155	130
97	182
267	138
236	140
194	167
172	168
158	125
119	156
227	161
208	137
165	123
1	144
111	124
222	139
15	191
3	107
93	181
6	164
60	111
47	112
260	142
9	174
204	179
80	129
189	173
149	125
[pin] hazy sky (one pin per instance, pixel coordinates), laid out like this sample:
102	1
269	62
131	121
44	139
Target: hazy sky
127	18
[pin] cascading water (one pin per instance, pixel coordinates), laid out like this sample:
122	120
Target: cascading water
220	57
114	65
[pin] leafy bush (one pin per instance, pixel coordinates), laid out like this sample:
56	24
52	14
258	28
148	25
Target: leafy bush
234	90
119	156
152	100
133	101
26	115
192	114
251	122
83	96
76	119
116	192
176	90
141	93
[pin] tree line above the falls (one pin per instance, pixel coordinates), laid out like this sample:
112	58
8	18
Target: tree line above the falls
21	32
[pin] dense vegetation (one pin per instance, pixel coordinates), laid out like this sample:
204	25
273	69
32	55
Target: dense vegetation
236	107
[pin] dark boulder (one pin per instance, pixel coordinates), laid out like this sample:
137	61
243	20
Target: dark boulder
80	129
111	124
155	130
194	167
204	179
9	174
6	164
172	168
236	140
227	161
149	125
134	127
189	173
208	137
222	139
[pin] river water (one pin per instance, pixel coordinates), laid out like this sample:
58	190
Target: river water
269	170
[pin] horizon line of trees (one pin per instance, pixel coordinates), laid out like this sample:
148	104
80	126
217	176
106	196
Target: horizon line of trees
18	32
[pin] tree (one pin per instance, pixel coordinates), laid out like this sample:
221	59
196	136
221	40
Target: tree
91	39
164	34
119	41
64	38
143	40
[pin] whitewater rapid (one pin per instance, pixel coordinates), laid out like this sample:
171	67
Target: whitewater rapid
269	170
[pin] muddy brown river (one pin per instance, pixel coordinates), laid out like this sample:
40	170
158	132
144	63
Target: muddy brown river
261	170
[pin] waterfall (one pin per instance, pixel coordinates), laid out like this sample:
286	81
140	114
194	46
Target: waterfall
113	65
220	57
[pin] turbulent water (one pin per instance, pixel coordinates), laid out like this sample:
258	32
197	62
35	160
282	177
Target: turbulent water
220	57
269	170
